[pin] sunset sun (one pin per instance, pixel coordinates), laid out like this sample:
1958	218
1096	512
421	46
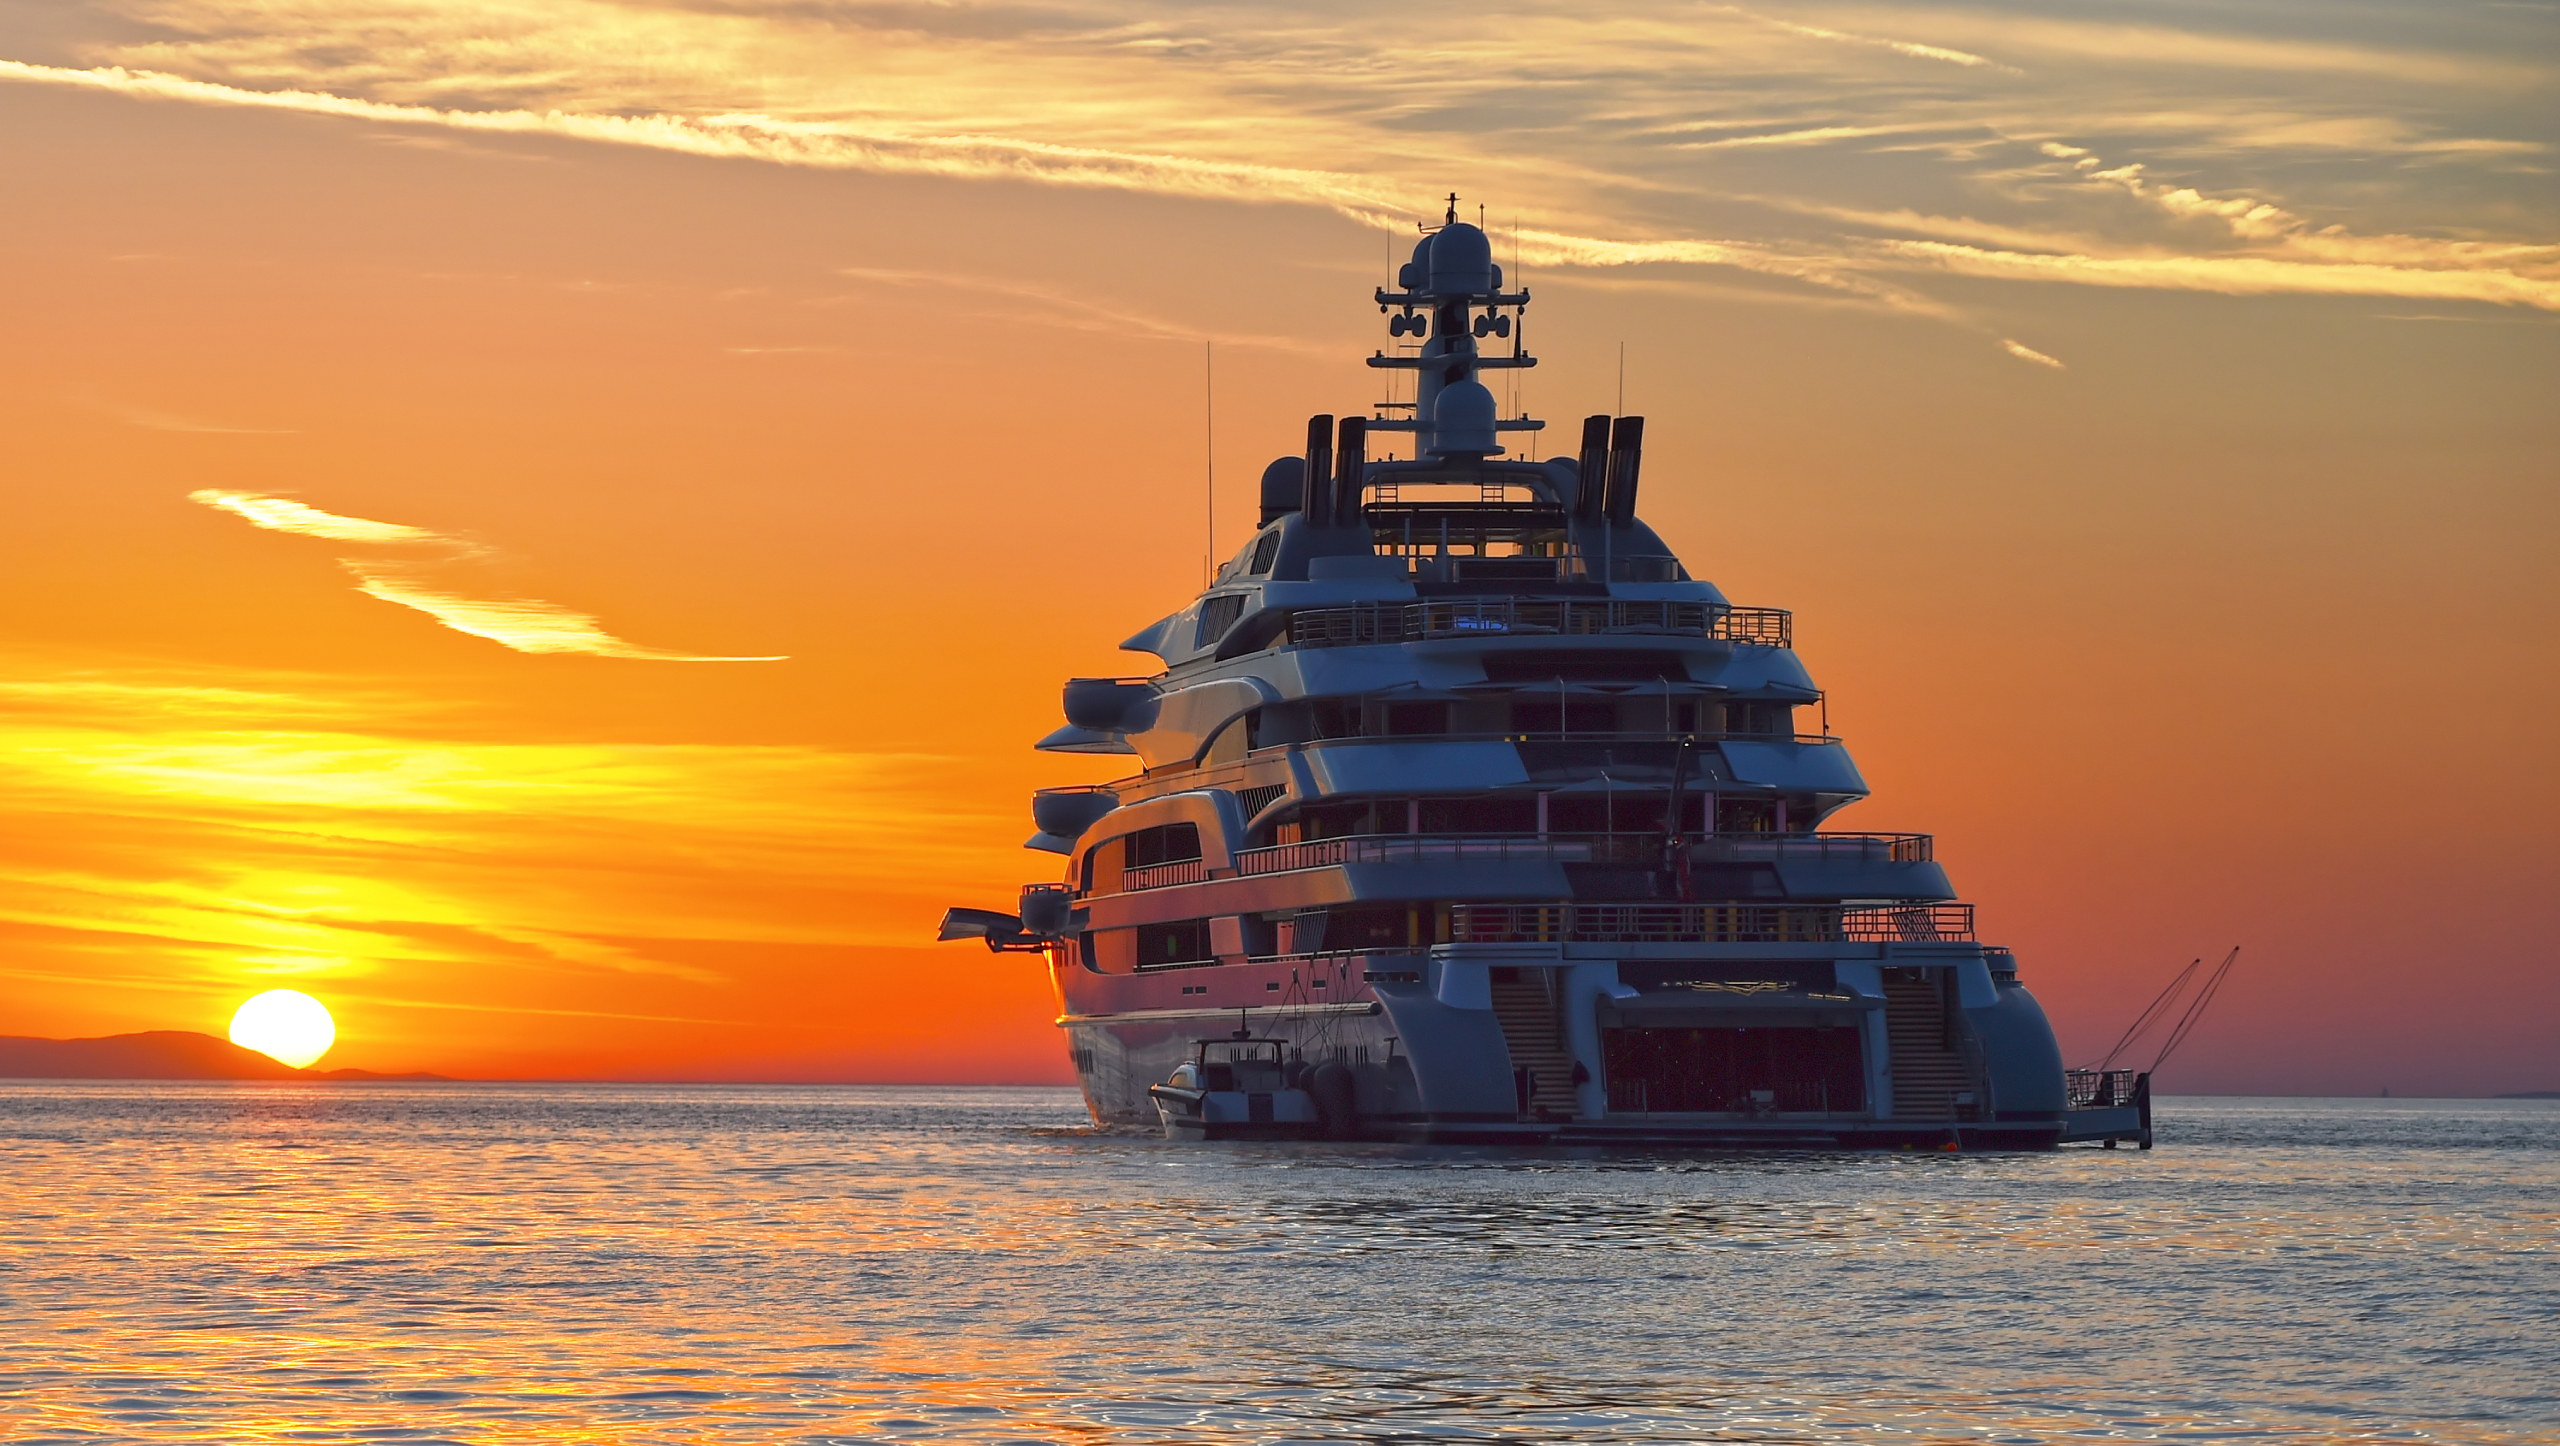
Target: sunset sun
286	1024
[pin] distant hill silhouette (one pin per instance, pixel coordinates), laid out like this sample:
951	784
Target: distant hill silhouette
157	1054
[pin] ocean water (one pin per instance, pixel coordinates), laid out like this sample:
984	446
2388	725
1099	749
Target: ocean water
500	1264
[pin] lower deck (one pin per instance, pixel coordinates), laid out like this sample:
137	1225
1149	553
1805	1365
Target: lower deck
1884	1046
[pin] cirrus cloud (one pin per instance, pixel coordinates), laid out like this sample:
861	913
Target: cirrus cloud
526	625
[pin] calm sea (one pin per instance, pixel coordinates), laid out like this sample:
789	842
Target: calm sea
498	1263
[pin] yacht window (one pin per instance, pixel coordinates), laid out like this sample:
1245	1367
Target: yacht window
1760	717
1417	720
1595	716
1266	551
1746	815
1647	569
1372	926
1170	843
1337	717
1336	820
1182	941
1480	815
1217	615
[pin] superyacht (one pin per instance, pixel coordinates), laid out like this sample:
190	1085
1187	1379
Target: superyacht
1463	812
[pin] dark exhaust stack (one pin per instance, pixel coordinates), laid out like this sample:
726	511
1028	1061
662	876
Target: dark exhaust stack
1626	458
1319	470
1350	465
1595	468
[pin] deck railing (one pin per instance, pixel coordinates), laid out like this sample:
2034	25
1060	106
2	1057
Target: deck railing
1157	876
1497	616
1645	849
1563	735
2098	1089
1709	923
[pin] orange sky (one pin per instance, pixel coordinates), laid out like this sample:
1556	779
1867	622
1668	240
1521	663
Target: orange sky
2235	626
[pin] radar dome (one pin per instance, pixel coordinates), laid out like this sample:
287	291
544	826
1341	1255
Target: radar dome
1462	420
1461	261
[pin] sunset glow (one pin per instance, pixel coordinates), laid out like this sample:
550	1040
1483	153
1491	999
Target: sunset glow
555	527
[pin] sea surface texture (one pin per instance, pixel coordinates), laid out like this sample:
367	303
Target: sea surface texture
525	1264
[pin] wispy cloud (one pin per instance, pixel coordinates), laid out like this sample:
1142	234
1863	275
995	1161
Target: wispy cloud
527	625
2024	352
1811	135
283	514
2233	275
1624	164
1072	312
1898	47
175	846
151	420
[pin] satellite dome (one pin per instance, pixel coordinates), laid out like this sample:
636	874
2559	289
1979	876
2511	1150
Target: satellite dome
1417	272
1462	420
1461	261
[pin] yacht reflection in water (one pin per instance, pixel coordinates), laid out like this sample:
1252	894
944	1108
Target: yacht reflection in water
1466	813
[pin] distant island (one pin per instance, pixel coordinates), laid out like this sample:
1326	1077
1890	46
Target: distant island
159	1054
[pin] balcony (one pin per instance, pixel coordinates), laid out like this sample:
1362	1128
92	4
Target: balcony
1370	623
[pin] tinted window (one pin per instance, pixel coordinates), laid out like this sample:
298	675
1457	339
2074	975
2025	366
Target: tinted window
1572	717
1414	720
1170	843
1183	941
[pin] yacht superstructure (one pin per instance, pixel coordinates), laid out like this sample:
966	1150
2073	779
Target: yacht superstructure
1464	812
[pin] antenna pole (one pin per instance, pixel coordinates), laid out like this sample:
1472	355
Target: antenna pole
1209	448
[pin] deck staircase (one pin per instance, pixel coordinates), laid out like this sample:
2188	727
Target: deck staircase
1929	1068
1527	1011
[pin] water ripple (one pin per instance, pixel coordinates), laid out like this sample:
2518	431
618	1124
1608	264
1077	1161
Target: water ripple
482	1263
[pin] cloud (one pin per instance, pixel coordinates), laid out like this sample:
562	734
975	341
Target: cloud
1815	135
1076	313
2233	275
1899	47
283	514
2024	352
1268	106
527	625
172	845
830	144
156	421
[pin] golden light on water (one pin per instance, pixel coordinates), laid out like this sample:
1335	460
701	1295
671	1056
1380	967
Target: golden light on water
285	1024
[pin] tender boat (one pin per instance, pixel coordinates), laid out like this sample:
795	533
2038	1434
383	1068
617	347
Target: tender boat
1247	1089
1457	791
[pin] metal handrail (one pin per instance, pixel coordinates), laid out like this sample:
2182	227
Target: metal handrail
1158	876
1506	616
1631	847
1710	923
2098	1089
1562	735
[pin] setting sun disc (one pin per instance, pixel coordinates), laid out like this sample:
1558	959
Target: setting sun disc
285	1024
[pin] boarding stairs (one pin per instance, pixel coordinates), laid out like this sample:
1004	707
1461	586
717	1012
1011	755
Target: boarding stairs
1932	1080
1526	1007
